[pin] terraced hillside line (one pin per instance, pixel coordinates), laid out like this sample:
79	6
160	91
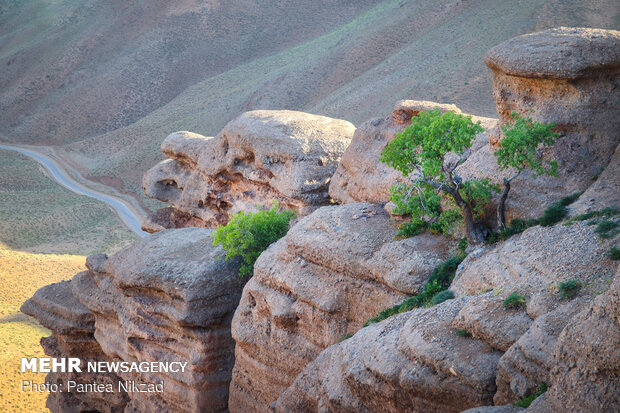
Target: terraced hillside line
128	214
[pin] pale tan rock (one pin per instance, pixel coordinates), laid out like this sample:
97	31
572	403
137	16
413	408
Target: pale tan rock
333	271
72	326
259	157
529	361
410	362
168	297
534	261
568	76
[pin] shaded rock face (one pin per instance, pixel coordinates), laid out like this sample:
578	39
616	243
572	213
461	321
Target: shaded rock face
410	362
568	76
169	297
72	326
257	158
333	270
361	176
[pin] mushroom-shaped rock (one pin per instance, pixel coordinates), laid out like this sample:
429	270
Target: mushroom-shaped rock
259	157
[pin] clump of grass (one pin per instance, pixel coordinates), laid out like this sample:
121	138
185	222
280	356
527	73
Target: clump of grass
514	300
438	282
569	199
345	337
461	332
607	228
554	214
568	289
462	247
442	296
526	401
613	254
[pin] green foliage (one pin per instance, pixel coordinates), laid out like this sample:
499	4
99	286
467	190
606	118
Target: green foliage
419	153
440	278
479	193
427	140
442	296
526	401
519	147
569	199
553	214
568	289
613	254
514	300
607	228
414	226
247	235
345	337
516	226
461	332
462	247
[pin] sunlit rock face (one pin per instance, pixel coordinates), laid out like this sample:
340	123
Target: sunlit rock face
257	158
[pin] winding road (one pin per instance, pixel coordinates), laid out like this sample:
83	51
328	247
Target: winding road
128	214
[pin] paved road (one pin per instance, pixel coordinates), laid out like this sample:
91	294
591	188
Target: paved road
122	208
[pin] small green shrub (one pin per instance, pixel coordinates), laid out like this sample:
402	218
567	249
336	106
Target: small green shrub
526	401
247	235
607	228
414	226
461	332
514	300
568	289
442	296
462	247
554	214
567	200
613	254
444	272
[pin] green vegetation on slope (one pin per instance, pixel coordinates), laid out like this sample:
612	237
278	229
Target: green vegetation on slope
37	214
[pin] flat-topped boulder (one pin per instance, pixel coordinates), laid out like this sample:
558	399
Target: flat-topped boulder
560	53
169	297
335	269
259	157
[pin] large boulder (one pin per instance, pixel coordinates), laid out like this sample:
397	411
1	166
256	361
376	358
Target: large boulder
168	297
72	326
568	76
410	362
259	157
334	270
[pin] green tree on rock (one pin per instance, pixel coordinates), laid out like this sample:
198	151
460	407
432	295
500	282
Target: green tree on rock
428	153
520	149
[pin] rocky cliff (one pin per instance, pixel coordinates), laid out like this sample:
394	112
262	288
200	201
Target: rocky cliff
297	341
260	157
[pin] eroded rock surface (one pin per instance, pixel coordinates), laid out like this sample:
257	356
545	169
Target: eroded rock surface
568	76
259	157
333	271
410	362
72	326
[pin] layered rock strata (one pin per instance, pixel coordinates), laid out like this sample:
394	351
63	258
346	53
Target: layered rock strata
568	76
257	158
333	271
72	326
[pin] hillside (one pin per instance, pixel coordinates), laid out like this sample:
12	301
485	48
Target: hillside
108	83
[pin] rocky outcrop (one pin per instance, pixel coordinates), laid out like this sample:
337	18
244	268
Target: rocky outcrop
168	298
534	261
72	326
568	76
333	271
257	158
361	176
410	362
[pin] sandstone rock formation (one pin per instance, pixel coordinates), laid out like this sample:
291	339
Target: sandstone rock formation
334	270
361	176
534	261
257	158
169	297
568	76
410	362
72	326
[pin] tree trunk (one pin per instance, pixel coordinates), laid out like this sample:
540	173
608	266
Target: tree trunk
475	231
501	207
